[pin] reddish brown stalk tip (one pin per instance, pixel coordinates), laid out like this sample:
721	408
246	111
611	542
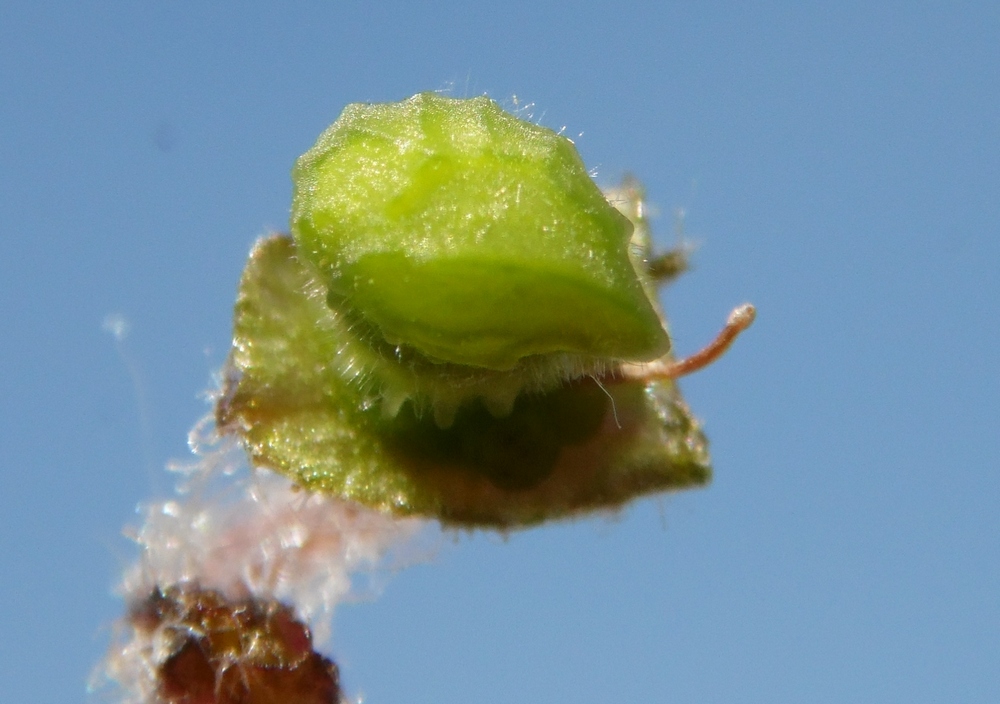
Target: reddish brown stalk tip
739	320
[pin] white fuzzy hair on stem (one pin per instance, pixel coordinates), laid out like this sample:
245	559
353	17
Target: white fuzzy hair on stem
247	534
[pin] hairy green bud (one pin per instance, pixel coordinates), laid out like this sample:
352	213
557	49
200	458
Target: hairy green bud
471	236
457	325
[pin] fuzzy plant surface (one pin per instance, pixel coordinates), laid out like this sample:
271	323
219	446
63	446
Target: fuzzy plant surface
451	329
460	328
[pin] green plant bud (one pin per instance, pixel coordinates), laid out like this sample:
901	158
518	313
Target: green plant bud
458	231
451	328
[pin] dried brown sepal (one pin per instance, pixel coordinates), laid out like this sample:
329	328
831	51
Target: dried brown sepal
215	650
667	266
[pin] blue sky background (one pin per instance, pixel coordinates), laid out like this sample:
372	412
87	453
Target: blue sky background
839	167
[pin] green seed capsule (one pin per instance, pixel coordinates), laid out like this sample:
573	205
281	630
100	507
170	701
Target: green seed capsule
433	339
471	236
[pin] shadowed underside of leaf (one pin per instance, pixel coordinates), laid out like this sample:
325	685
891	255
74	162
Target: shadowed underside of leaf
584	446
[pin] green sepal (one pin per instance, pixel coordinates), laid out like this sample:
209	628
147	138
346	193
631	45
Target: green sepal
580	447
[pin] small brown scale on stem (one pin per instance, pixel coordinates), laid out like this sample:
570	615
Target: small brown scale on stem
217	650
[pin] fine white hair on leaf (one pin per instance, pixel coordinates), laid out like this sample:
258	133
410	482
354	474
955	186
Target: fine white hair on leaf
250	534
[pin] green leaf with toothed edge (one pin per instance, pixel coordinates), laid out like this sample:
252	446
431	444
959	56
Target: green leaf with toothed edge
301	392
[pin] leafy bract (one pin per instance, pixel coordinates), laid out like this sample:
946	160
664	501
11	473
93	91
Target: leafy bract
292	398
